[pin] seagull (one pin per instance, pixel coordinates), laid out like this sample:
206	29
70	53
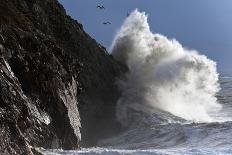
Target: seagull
106	23
101	7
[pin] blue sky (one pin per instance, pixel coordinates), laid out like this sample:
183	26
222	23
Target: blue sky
204	25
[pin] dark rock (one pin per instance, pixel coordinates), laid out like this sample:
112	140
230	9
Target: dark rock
50	68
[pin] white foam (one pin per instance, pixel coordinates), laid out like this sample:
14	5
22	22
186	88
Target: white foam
163	74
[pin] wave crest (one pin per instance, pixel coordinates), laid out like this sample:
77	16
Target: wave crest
162	74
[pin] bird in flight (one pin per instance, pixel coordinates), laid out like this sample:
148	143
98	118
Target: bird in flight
101	7
106	23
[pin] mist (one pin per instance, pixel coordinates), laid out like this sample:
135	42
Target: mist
163	74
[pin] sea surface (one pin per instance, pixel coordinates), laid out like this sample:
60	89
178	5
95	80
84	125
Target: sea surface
170	103
162	133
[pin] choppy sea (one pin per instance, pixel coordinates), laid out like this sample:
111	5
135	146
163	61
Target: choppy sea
164	134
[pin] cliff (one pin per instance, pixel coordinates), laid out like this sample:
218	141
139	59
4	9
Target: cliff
56	82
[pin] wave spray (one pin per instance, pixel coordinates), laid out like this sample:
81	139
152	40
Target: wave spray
162	74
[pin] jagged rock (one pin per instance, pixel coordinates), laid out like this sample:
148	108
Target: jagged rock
50	68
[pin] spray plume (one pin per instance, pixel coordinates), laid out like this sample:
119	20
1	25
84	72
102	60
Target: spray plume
162	74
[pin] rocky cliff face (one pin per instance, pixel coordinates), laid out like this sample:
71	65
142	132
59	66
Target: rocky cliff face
56	83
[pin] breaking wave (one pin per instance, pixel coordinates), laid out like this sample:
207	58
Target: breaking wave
162	74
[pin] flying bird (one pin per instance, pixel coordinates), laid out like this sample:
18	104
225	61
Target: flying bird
101	7
106	23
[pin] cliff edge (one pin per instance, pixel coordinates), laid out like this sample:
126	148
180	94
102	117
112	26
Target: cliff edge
56	83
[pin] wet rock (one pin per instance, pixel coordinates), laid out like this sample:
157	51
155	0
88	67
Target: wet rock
56	83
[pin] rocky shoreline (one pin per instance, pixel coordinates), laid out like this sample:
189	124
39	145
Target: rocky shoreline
53	80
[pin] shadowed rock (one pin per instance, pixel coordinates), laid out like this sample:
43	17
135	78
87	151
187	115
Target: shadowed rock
50	70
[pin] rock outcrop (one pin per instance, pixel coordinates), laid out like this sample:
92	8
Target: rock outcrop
50	71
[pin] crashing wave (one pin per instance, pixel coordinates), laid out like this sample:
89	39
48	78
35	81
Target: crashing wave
162	74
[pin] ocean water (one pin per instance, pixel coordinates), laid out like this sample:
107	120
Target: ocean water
166	134
173	100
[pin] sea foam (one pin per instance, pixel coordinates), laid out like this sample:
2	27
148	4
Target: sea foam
162	74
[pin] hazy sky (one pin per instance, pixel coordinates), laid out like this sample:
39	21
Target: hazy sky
204	25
